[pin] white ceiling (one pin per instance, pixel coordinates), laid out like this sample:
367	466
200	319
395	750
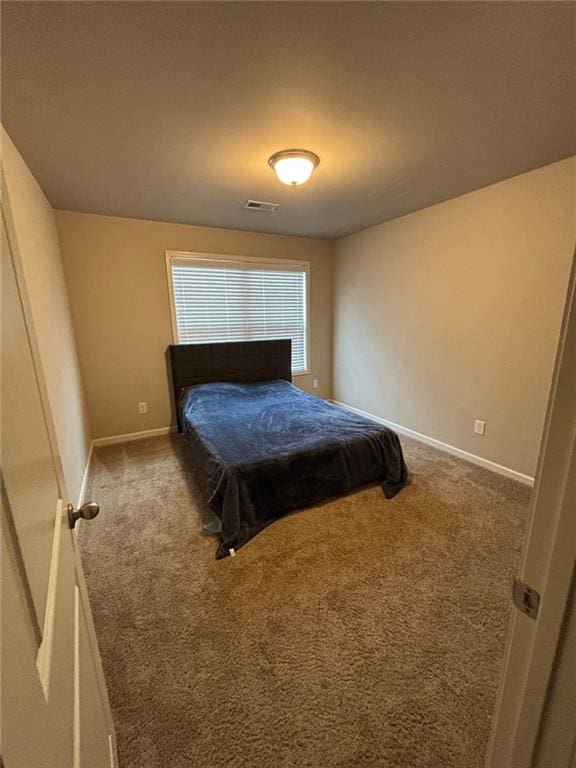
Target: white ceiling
169	110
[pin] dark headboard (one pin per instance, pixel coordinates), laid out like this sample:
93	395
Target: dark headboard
241	361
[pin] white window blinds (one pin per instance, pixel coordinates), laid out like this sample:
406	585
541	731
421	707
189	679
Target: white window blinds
240	301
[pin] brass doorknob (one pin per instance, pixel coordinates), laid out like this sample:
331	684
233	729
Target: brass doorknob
87	511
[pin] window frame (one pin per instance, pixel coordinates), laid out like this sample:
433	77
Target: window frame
258	261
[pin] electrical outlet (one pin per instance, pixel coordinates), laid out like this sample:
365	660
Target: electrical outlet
142	408
479	427
315	383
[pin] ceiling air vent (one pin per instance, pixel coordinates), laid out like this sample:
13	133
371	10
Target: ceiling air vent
258	205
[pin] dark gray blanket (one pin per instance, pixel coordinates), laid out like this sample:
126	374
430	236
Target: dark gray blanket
269	448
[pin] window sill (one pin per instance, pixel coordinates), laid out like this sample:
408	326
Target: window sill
301	373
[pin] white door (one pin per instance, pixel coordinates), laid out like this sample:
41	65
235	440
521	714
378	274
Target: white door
535	718
55	711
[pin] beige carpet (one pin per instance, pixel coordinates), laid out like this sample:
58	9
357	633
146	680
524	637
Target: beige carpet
363	632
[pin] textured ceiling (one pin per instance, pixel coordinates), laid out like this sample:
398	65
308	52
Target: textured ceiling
170	110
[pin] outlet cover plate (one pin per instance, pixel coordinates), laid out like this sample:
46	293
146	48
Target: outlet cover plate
479	426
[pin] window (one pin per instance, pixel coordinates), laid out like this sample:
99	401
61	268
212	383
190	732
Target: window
235	299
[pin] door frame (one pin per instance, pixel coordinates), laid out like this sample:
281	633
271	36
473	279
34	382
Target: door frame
548	564
7	216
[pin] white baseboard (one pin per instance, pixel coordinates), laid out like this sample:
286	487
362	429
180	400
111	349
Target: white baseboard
82	493
113	439
500	469
471	457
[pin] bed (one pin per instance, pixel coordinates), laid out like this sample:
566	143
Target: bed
266	447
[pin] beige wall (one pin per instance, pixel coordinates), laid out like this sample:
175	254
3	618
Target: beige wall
37	241
452	313
443	316
116	275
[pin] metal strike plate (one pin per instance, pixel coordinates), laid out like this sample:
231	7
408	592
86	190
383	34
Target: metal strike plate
526	598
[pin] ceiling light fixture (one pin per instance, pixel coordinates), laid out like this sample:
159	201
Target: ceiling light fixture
293	166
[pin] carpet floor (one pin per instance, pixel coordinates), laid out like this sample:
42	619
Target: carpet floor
359	633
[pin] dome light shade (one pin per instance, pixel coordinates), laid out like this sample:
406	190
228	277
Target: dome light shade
293	166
